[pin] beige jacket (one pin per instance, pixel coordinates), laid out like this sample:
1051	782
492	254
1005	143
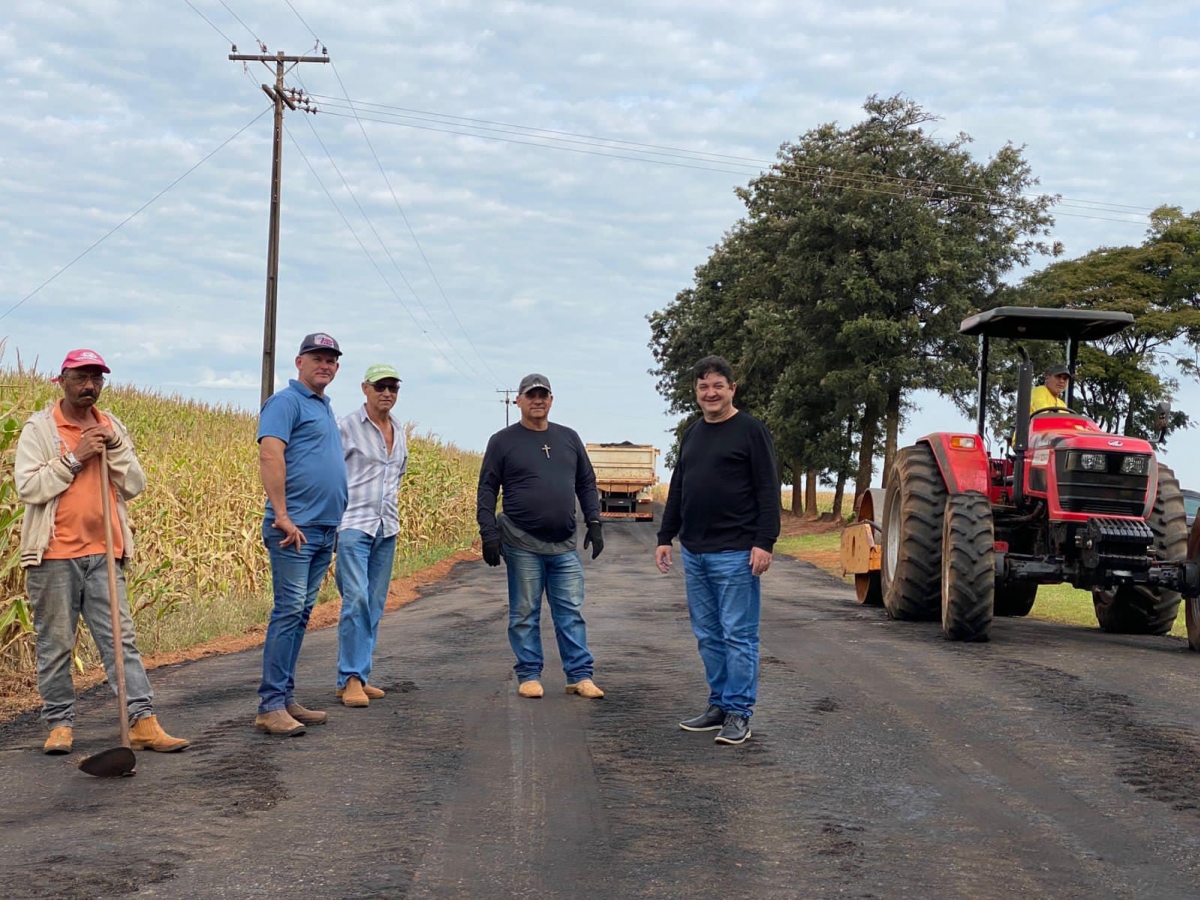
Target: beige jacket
42	476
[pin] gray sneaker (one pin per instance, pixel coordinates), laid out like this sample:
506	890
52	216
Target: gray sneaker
709	720
735	730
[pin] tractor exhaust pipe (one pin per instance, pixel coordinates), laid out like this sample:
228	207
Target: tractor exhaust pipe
1021	437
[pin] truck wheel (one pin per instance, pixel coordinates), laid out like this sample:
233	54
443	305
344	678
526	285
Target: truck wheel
910	565
968	567
1132	609
1015	599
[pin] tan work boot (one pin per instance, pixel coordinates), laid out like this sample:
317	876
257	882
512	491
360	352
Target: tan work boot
531	689
354	695
147	734
373	693
585	687
59	741
278	721
306	716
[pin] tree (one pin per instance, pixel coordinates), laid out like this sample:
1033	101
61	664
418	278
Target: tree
1120	380
862	248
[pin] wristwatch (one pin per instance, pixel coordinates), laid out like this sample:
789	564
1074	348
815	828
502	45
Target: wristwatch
72	463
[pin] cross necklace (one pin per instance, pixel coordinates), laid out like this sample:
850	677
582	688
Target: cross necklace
546	450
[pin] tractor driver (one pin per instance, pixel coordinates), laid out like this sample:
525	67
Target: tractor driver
1050	394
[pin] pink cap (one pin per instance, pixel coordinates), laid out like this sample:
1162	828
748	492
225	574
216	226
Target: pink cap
79	359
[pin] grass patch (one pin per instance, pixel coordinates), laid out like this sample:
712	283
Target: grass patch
1055	602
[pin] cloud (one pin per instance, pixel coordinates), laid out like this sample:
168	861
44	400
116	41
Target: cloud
541	258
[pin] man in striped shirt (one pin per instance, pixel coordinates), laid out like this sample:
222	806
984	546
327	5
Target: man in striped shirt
376	459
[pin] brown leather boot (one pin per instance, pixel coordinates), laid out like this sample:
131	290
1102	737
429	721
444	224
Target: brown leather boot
354	695
306	716
373	693
279	722
59	741
585	687
147	734
531	690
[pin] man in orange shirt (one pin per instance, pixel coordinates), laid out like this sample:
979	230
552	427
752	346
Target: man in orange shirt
58	477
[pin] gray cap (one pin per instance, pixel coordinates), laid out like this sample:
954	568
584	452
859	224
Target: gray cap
533	382
1059	369
318	340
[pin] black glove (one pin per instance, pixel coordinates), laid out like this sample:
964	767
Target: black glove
492	552
594	539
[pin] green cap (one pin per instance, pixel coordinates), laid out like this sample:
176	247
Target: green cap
380	371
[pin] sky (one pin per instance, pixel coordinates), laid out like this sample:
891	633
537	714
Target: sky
495	188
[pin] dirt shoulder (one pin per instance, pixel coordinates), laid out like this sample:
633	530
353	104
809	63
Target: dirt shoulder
18	693
795	527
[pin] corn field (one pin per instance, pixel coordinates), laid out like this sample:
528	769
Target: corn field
200	569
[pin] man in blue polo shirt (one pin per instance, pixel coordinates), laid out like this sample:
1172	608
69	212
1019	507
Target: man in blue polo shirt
304	475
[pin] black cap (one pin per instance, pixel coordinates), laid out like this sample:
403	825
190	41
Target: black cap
319	340
1059	369
532	382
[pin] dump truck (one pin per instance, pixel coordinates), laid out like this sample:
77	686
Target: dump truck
964	535
625	475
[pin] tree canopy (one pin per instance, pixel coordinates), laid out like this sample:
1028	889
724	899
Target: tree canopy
840	291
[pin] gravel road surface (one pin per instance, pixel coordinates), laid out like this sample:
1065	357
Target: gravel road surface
1053	762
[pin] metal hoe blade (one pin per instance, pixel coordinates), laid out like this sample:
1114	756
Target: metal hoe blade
116	762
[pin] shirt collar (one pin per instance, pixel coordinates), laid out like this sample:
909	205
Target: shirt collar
364	418
298	385
61	420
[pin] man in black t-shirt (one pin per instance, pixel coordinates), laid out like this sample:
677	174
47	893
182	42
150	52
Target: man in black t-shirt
723	504
541	467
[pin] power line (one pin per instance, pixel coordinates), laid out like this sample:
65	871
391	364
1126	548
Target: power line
302	22
211	25
383	245
413	233
354	233
133	214
858	181
604	143
261	45
403	215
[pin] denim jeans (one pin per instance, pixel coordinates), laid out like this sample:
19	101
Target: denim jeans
560	578
296	575
60	591
724	601
364	573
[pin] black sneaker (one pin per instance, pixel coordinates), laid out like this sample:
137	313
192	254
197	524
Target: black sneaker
709	720
735	730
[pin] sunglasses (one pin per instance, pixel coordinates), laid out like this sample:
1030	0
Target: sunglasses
380	387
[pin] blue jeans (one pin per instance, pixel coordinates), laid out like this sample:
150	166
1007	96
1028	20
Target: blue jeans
60	591
560	578
724	601
364	573
296	575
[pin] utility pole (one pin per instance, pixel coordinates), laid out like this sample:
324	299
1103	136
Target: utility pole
507	403
294	100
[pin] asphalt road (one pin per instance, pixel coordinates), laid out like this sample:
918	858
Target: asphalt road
1053	762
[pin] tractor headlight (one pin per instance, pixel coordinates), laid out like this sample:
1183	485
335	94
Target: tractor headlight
1135	465
1088	462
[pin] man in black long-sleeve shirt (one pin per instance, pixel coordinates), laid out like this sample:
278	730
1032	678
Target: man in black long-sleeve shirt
724	506
541	467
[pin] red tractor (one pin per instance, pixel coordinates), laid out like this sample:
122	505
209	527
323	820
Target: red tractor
969	537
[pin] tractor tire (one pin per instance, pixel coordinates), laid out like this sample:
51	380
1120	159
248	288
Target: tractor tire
1133	609
968	567
911	557
1015	599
